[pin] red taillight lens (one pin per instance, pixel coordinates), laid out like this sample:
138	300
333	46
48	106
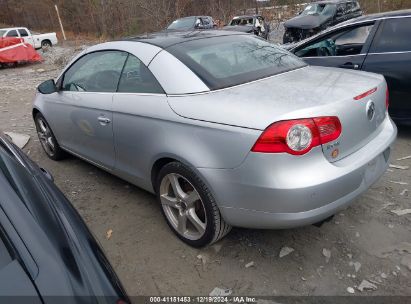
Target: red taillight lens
328	127
299	136
365	94
387	99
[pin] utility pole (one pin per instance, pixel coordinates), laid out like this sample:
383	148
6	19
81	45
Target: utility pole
256	7
61	24
379	6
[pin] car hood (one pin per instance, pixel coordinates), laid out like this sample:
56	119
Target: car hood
239	28
306	22
305	92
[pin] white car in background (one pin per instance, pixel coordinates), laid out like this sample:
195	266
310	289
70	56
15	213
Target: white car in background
36	40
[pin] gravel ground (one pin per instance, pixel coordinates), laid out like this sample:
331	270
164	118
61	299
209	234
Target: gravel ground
365	242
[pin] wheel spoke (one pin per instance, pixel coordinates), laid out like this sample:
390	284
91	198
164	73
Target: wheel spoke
197	223
182	223
50	143
42	126
42	136
168	201
175	184
191	198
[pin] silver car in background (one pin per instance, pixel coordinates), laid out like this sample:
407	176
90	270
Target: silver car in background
226	128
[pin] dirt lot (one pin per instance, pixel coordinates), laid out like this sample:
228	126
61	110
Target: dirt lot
365	242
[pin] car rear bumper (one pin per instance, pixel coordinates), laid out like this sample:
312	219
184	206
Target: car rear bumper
283	191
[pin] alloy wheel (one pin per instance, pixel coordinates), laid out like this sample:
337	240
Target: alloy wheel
46	137
183	206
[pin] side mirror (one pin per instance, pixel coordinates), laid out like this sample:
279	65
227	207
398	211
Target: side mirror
47	87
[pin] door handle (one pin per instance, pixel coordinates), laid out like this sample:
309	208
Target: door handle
350	65
103	120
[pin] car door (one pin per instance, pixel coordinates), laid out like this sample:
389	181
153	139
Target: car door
25	35
80	114
138	106
344	48
390	55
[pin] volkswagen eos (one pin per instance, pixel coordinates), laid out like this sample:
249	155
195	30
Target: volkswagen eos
225	128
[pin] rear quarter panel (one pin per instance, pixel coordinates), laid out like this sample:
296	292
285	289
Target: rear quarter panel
146	130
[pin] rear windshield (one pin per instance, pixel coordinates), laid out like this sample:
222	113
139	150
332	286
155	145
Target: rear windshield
231	60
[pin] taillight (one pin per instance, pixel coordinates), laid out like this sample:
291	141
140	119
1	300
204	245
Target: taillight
387	99
298	136
365	94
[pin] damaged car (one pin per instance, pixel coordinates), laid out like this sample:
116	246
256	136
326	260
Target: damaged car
225	128
253	24
317	16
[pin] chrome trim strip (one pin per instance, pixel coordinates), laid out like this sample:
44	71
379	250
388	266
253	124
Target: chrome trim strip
362	54
389	53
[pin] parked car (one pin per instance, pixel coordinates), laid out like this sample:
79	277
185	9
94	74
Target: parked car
192	23
253	24
226	128
376	43
35	39
46	250
317	16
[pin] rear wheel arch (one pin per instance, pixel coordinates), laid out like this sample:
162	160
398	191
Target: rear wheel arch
155	169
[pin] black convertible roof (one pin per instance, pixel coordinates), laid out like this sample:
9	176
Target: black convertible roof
166	39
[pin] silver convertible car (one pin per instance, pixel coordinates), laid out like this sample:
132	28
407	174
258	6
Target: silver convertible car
225	128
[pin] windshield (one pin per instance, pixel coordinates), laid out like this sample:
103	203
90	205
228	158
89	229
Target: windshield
182	23
242	21
231	60
2	32
319	9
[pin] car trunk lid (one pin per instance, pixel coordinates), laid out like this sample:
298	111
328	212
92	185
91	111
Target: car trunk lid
302	93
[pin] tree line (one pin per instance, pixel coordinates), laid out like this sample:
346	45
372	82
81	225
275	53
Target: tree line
116	18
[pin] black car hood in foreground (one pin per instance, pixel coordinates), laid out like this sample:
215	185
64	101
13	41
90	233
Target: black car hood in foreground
306	22
60	255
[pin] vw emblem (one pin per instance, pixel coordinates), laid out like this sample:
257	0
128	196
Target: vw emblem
370	110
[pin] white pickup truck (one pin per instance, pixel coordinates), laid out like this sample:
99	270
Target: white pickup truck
36	40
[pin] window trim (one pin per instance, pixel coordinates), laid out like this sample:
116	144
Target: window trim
60	80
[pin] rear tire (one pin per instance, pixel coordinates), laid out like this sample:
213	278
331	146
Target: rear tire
47	139
45	44
192	213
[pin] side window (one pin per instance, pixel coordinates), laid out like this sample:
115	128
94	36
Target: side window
23	33
394	36
95	72
343	43
12	33
137	78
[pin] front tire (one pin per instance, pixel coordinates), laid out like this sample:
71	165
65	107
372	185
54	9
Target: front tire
188	206
47	139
